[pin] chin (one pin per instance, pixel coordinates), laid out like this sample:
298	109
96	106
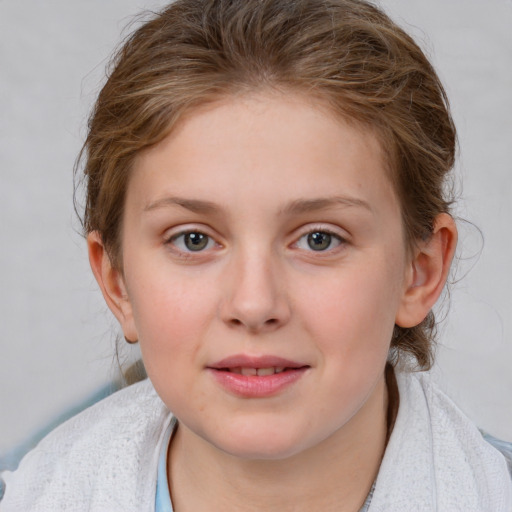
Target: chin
259	452
263	444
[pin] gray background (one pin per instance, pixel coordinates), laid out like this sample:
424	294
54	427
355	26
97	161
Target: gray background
56	336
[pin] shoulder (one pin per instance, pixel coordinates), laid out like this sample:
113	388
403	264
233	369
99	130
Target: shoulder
502	446
453	430
106	448
447	417
436	457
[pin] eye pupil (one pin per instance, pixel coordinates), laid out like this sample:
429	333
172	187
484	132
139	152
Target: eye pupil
196	241
319	241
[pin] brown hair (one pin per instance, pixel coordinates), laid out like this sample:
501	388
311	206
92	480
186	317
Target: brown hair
345	52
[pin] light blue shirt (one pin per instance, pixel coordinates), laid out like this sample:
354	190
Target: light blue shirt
163	498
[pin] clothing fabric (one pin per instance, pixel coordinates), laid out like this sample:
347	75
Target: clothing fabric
163	498
437	460
106	459
102	460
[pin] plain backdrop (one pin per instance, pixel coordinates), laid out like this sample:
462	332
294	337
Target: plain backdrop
56	335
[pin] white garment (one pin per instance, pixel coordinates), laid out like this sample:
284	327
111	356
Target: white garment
105	459
102	460
436	459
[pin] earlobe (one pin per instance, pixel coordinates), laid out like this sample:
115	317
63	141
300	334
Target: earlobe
111	283
428	272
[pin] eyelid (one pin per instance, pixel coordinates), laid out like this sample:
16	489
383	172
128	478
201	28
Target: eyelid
322	228
172	234
181	229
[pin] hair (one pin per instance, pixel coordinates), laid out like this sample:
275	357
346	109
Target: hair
345	53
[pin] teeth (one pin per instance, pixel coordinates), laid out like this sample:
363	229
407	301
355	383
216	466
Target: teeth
266	371
251	372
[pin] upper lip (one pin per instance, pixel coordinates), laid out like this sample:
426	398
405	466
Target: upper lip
246	361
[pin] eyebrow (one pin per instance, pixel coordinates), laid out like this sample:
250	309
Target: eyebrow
323	203
295	207
194	205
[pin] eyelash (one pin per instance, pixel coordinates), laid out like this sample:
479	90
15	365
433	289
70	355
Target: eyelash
333	237
182	248
190	233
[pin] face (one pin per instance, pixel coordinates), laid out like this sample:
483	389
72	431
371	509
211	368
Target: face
264	269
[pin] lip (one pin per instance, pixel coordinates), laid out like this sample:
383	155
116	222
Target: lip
256	386
246	361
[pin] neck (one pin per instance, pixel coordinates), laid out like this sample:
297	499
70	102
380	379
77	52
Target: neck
336	474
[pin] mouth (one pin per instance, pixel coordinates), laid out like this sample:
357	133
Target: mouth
257	377
264	365
260	372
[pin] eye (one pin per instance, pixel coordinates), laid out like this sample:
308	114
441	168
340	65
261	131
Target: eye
319	241
192	241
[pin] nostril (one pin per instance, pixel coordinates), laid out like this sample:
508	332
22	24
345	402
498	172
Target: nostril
271	322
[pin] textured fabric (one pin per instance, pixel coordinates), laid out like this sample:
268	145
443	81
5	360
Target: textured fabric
503	446
106	459
437	460
103	460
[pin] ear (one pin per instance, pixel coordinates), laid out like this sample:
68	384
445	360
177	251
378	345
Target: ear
428	272
111	283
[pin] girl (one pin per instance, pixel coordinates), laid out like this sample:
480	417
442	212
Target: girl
266	215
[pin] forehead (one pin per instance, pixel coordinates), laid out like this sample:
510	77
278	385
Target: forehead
267	146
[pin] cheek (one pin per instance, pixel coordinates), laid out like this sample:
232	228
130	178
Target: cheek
171	313
172	318
353	312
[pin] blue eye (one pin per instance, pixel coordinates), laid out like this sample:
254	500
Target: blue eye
192	241
319	241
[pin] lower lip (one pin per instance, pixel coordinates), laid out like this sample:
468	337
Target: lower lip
255	386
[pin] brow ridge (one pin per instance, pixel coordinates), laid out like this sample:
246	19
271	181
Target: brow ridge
322	203
297	206
194	205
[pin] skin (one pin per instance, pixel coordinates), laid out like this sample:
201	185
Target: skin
257	174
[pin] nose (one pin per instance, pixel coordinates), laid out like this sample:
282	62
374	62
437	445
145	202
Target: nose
256	298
